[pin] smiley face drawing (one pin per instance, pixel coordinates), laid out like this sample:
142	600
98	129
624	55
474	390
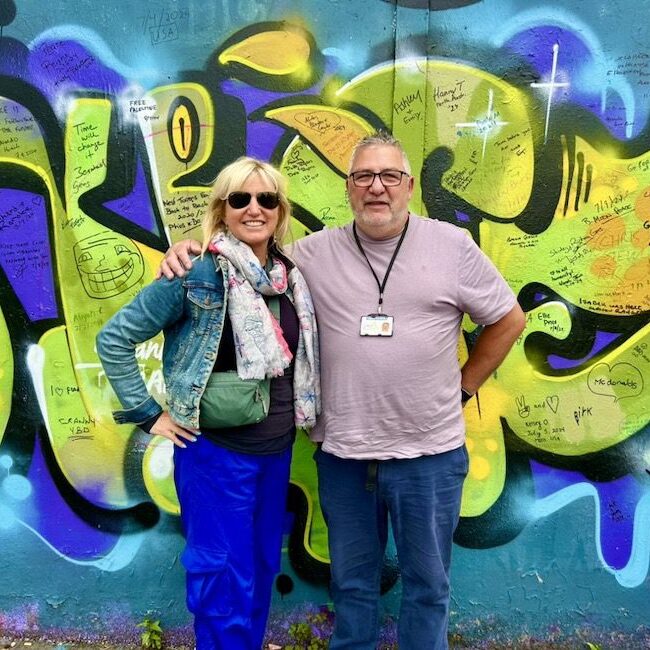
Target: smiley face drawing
108	264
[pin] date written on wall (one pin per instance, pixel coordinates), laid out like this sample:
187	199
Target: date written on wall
163	26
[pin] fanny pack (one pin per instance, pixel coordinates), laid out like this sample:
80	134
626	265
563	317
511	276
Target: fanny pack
230	401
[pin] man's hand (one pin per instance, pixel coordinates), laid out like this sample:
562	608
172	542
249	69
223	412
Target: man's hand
167	428
177	259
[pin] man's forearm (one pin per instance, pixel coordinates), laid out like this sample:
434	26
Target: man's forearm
491	348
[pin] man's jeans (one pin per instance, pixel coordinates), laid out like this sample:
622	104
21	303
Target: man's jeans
422	496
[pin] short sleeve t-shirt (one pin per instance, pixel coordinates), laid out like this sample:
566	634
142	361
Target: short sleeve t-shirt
399	396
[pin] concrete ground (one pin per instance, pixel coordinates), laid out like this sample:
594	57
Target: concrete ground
26	643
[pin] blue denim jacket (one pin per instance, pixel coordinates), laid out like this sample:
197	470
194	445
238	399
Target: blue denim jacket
190	311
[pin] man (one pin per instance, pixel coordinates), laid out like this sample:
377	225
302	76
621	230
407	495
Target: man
390	291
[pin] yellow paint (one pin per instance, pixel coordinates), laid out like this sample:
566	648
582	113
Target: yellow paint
303	475
479	468
574	414
182	132
98	271
182	207
485	444
6	375
604	266
431	102
484	441
276	52
158	474
333	132
569	255
29	141
90	450
314	185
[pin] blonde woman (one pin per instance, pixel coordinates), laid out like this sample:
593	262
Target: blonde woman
231	481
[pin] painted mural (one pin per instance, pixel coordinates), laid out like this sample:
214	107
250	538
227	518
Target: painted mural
527	125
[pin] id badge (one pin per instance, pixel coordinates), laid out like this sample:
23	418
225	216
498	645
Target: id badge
376	325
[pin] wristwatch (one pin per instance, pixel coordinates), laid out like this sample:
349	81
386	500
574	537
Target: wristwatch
465	396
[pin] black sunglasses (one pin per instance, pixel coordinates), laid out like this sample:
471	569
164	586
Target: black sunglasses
239	200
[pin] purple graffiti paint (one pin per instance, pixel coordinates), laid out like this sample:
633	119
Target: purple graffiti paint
462	216
13	58
58	67
602	340
136	206
262	137
25	251
52	517
618	500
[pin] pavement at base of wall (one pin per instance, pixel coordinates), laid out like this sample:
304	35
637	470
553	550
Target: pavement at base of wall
49	644
9	643
637	640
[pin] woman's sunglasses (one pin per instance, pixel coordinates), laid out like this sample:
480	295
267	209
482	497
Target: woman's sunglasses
239	200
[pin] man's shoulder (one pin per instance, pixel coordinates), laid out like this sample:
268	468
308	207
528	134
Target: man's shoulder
434	227
317	240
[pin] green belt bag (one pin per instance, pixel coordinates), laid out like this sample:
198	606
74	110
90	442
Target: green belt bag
229	401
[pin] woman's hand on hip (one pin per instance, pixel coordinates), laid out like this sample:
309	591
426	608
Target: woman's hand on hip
167	428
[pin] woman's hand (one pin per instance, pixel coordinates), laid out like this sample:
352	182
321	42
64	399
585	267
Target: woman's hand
167	428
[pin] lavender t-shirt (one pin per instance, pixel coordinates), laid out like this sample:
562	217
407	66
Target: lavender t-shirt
399	396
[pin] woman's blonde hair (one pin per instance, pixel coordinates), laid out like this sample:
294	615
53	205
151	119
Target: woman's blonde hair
231	179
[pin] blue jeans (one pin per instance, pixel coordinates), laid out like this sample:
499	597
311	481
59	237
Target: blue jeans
233	509
422	496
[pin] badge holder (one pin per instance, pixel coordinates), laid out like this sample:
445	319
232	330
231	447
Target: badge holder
376	325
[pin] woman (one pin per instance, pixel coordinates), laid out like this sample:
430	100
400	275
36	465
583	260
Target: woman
231	483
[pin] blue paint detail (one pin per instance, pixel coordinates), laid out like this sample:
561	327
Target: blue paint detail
17	487
7	517
602	340
621	517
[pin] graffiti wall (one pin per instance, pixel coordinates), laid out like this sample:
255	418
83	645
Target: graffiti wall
526	124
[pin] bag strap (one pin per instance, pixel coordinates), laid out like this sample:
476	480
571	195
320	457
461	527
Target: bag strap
274	306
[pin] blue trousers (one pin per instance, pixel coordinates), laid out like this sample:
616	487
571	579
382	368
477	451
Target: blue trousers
422	497
233	508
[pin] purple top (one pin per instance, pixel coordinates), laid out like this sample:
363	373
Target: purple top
276	432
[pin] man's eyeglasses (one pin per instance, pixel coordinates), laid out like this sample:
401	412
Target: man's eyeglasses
388	177
239	200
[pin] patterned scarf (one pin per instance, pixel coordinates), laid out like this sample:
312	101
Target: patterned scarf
260	348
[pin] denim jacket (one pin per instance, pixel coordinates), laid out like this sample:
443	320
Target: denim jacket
190	311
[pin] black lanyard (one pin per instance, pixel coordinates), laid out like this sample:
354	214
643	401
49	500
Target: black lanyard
381	285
